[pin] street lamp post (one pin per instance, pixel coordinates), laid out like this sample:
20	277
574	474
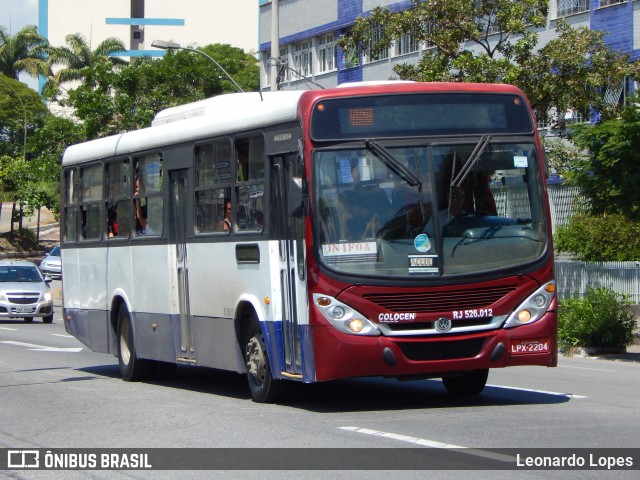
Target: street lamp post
164	45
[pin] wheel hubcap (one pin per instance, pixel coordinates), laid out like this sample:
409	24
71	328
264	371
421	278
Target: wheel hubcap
256	359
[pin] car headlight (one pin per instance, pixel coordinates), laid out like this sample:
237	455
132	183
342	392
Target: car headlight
46	297
534	307
3	297
343	317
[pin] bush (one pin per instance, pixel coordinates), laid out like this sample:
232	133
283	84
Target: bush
601	319
589	239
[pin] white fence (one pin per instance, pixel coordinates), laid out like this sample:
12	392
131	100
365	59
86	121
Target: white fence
573	279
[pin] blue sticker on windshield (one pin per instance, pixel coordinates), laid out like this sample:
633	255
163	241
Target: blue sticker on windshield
422	243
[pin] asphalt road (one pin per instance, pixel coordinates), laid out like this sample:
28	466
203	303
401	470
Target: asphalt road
58	394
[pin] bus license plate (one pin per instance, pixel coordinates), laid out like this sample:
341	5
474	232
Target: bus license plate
520	347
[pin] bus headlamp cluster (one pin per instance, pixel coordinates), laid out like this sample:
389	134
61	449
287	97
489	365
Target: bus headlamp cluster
534	307
343	317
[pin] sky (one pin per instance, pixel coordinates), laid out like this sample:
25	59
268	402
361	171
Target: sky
15	14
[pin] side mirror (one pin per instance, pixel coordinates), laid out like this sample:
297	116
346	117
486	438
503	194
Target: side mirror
296	198
48	279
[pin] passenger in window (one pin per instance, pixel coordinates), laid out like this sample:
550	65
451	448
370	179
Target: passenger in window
112	222
140	210
226	222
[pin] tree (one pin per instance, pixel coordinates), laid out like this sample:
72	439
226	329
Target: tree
20	107
77	56
23	52
112	100
608	173
49	141
496	41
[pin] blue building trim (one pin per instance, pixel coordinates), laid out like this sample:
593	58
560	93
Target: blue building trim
139	53
173	22
43	29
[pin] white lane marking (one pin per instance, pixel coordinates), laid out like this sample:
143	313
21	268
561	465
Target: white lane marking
10	329
43	348
586	368
62	335
431	443
546	392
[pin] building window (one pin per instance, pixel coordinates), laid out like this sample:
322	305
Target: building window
406	44
376	53
327	53
266	62
569	7
302	58
283	67
606	3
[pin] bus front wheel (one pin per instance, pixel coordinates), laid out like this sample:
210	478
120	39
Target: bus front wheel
132	368
470	383
264	388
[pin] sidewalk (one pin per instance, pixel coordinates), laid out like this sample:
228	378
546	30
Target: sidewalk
46	219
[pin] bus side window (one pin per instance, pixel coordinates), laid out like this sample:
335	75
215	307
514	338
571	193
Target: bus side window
250	165
212	189
118	199
147	195
91	199
70	226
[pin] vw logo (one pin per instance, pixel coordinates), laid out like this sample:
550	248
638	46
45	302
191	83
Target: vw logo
443	324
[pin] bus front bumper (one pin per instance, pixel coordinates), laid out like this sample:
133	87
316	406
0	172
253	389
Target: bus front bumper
338	355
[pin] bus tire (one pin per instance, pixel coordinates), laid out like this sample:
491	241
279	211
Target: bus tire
470	383
263	387
132	368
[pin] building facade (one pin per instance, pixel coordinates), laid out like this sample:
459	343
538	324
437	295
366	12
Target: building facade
138	22
309	29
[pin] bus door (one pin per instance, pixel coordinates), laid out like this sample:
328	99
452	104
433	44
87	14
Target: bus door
178	236
290	233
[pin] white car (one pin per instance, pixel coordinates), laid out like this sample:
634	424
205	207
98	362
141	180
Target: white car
51	264
24	292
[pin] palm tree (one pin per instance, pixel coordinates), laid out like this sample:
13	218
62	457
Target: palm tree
23	52
77	56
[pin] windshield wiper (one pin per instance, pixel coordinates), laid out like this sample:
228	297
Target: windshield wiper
393	164
471	162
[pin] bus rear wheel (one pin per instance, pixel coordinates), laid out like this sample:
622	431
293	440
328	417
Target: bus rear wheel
263	387
470	383
132	368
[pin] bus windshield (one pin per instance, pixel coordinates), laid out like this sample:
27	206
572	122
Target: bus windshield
428	209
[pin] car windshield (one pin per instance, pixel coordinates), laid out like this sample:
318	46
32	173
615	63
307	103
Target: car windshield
19	274
55	252
428	210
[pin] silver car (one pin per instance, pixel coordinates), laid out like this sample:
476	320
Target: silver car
24	292
51	264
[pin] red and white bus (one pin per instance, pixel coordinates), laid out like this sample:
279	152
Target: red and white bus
395	229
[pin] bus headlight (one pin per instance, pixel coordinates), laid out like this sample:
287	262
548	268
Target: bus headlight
343	317
534	307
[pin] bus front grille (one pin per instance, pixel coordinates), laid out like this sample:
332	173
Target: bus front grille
439	301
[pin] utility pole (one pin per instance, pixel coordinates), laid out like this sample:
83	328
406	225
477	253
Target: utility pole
275	43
